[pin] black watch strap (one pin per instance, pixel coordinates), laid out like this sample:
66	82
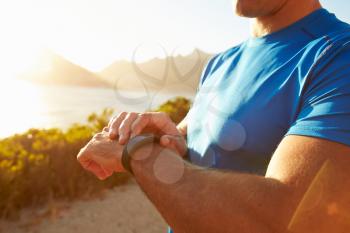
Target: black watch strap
134	144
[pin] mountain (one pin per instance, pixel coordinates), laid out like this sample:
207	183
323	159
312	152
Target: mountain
53	69
157	73
173	73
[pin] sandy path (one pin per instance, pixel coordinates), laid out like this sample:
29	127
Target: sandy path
123	209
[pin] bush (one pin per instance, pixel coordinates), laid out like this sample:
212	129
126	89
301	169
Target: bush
39	166
177	108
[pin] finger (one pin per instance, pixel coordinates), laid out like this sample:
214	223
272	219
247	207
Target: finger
140	124
125	127
89	163
115	124
167	142
111	121
94	168
106	173
101	175
178	143
164	123
154	122
82	157
109	172
173	142
98	171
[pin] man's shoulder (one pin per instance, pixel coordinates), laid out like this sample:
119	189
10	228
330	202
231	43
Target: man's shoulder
336	38
339	40
231	51
328	62
217	60
322	50
222	56
327	32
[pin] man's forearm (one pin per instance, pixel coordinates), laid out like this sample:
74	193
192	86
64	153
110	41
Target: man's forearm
193	199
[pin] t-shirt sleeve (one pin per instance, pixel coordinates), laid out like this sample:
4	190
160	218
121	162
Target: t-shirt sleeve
325	107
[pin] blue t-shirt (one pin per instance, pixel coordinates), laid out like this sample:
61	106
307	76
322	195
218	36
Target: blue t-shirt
294	81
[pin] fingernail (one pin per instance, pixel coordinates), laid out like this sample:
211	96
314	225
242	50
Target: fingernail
166	141
121	139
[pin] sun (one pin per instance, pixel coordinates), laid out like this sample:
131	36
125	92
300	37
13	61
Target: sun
22	38
17	59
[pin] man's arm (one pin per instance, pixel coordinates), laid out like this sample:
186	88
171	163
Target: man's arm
294	196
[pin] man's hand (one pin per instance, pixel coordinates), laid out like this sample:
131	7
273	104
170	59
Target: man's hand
101	156
127	125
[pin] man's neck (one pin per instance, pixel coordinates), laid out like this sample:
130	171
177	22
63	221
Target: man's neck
288	14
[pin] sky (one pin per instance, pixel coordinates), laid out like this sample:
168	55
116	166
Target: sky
95	33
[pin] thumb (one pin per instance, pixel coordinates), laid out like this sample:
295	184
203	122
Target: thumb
174	142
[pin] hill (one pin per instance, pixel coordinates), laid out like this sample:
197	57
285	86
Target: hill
157	73
154	74
56	70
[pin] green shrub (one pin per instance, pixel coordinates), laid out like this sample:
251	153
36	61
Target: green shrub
40	165
177	108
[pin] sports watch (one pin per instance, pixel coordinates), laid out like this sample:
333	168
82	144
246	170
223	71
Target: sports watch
134	144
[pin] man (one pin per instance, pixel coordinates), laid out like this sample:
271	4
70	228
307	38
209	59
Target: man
281	97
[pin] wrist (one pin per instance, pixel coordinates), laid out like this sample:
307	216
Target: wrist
154	162
145	156
134	144
119	153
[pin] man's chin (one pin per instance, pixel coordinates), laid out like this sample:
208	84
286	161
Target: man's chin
256	8
247	14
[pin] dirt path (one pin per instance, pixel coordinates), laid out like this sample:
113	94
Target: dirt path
124	209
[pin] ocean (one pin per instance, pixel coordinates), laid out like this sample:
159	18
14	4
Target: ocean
26	105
